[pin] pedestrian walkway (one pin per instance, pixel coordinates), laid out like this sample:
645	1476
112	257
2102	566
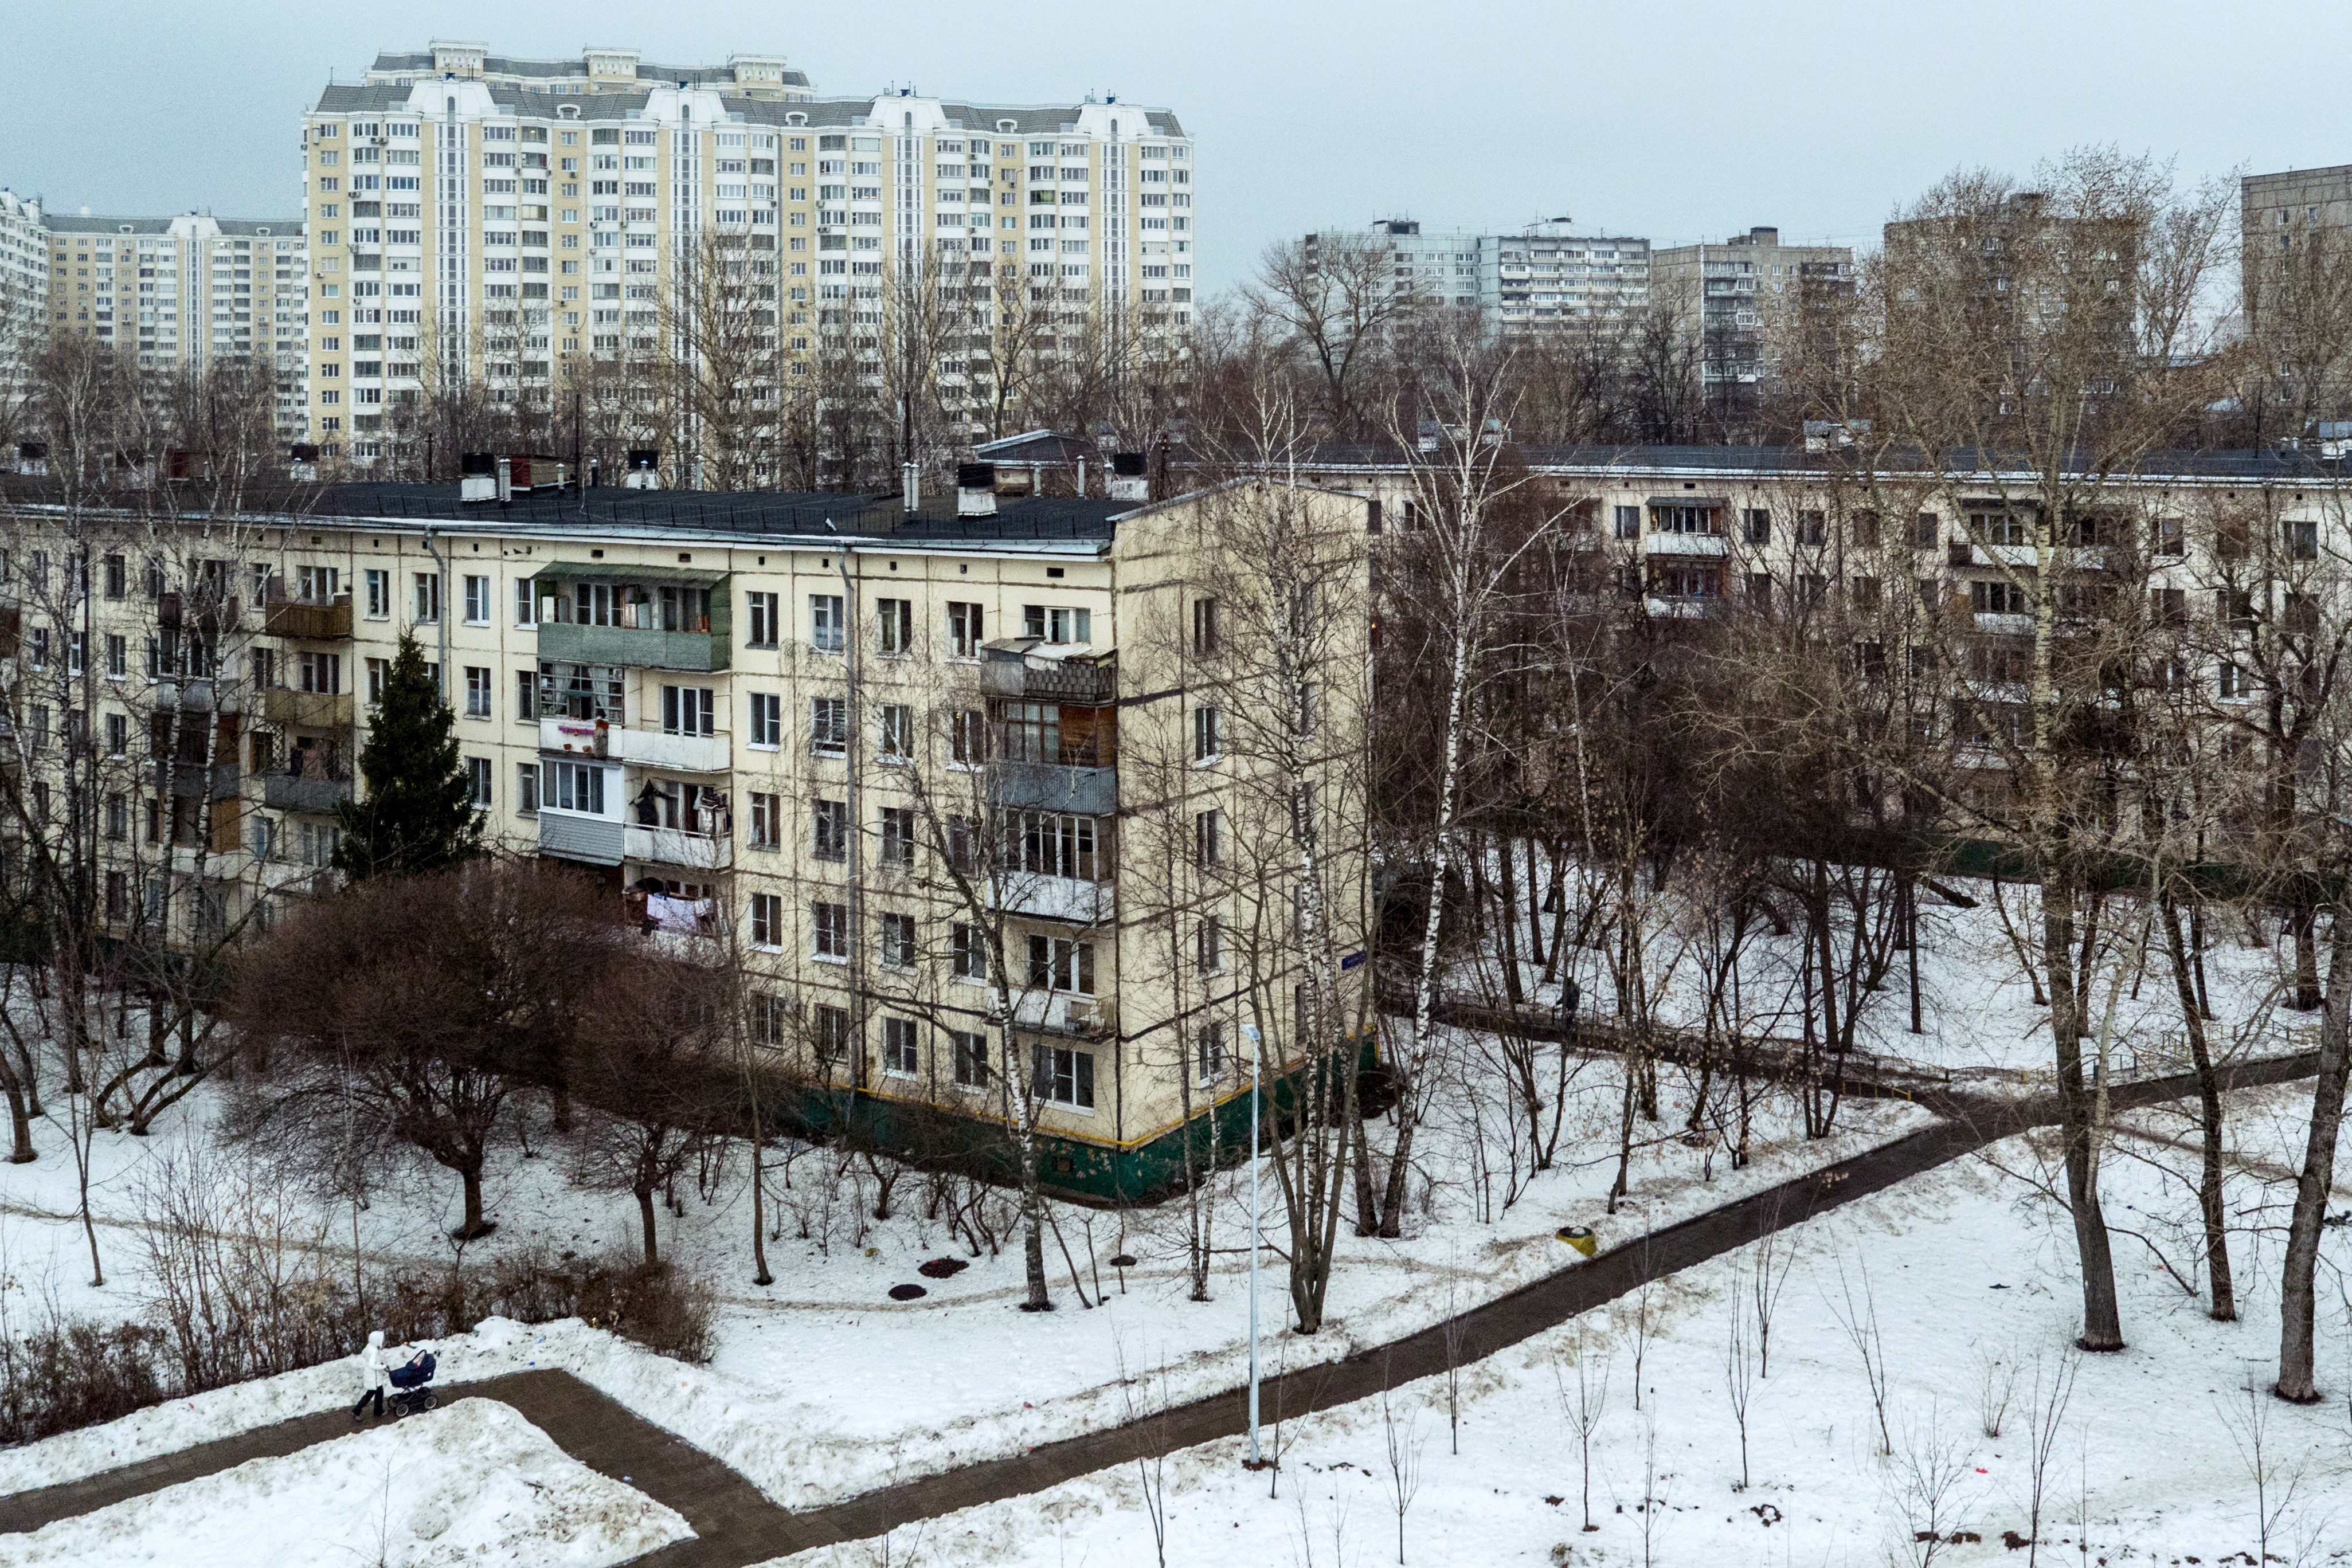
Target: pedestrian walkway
735	1524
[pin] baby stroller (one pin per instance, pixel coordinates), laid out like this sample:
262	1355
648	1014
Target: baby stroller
411	1385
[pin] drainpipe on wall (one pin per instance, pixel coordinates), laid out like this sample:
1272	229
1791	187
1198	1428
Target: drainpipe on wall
441	594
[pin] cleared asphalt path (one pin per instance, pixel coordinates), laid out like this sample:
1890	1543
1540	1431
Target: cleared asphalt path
734	1524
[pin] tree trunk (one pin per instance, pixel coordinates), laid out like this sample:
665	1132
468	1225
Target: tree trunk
645	1218
2295	1288
2224	1288
476	1226
1033	1254
2102	1317
2305	915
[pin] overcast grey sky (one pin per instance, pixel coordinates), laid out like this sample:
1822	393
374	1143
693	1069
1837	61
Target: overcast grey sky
1678	121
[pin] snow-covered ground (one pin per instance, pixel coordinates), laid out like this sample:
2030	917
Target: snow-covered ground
1970	1278
473	1483
1979	1019
822	1386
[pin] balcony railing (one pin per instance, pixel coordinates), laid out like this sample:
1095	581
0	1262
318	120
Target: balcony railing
309	621
599	841
317	795
1060	898
307	710
1022	668
676	846
174	611
574	643
642	748
1051	787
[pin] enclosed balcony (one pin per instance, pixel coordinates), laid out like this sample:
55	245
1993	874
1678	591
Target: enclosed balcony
1055	756
642	617
307	619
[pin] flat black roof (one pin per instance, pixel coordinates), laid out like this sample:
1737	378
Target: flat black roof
750	514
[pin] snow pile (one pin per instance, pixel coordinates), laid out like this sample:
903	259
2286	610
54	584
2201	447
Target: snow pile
472	1483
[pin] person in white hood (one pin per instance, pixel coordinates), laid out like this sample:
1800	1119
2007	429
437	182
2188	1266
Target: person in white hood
375	1367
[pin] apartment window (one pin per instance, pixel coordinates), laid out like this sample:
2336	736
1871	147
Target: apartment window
1057	623
767	920
1629	522
964	635
379	594
118	896
477	776
898	1054
2303	539
117	819
1756	525
320	672
771	1018
37	650
378	671
829	1034
767	720
690	710
1209	840
527	789
427	599
825	622
117	577
829	837
1062	964
1061	843
964	844
477	600
1997	598
1064	1076
895	625
1209	944
575	787
969	1050
895	740
1926	532
968	737
1206	745
117	656
526	704
1205	627
897	836
1209	1051
118	734
2171	537
767	820
829	726
477	690
899	941
2233	682
761	628
832	922
968	953
526	602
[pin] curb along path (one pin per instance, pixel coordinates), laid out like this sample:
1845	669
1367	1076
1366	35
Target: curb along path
735	1524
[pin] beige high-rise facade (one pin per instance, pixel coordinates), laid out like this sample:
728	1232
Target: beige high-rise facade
180	293
479	219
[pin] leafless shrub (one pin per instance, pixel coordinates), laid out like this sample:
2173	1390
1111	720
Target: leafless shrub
1739	1373
1860	1322
1996	1385
1403	1451
2051	1390
1583	1400
1924	1474
2275	1484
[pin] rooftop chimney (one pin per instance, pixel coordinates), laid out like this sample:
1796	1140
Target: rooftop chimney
910	488
1128	481
975	489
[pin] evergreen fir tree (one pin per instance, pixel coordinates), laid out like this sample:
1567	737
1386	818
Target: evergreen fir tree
418	813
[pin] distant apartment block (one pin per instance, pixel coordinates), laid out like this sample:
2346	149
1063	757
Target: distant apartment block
1729	292
512	222
1544	274
24	287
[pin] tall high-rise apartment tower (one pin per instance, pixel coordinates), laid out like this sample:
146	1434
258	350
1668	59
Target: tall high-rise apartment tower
509	222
